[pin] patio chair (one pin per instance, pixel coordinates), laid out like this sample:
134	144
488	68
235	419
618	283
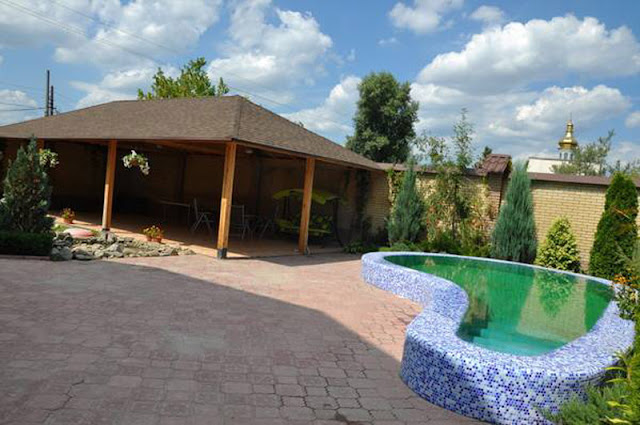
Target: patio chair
206	217
239	221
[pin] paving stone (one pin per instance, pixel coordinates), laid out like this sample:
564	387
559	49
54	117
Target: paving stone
125	381
236	388
300	413
290	390
189	340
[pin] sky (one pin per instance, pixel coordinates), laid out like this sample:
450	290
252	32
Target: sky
521	69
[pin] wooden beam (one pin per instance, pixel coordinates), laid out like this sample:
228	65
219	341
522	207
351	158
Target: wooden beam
305	214
226	198
108	185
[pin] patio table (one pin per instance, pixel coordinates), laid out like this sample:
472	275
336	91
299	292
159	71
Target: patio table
167	203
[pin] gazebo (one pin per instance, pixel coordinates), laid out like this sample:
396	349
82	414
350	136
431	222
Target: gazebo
196	143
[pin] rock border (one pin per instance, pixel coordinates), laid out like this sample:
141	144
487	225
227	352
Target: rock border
109	245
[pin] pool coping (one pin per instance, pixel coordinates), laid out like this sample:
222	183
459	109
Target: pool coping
444	303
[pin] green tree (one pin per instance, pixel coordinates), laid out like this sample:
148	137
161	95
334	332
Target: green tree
26	195
560	249
450	201
406	221
588	160
514	235
192	82
617	231
384	119
485	154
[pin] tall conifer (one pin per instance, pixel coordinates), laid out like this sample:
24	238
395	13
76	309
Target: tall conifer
514	235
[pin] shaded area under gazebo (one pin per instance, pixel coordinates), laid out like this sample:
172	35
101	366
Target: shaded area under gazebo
221	152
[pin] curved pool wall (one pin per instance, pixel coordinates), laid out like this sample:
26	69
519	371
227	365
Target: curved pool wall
477	382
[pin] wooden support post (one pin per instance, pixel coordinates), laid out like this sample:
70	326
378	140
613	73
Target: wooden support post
108	185
40	144
305	213
226	198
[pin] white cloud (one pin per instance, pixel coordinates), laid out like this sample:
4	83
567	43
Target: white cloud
513	56
152	28
499	72
520	123
597	104
32	23
424	16
118	85
335	113
488	15
16	106
625	151
633	120
387	41
271	59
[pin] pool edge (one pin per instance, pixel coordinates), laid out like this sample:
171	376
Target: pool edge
477	382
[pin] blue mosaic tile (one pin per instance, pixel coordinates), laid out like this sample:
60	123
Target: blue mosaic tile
488	385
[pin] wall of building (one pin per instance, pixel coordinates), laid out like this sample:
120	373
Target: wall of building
380	197
581	203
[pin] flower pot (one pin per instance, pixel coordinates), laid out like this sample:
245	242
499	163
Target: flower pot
68	220
149	238
159	240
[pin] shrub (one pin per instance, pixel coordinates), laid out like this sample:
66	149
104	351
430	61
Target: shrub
514	235
617	231
26	194
443	241
20	243
359	247
406	222
591	411
560	249
401	246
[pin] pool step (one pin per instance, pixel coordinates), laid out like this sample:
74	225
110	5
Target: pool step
514	343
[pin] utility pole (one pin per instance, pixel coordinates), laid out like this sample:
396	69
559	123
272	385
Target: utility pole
46	95
51	105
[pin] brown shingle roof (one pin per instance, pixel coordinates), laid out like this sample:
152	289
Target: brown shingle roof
189	119
494	163
570	178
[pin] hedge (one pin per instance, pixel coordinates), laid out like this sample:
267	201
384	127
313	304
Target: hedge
19	243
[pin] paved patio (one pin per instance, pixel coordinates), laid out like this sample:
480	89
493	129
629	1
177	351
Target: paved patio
191	340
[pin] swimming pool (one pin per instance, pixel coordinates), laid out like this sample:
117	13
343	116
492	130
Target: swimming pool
500	341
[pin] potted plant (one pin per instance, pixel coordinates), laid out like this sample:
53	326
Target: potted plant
68	215
153	234
135	159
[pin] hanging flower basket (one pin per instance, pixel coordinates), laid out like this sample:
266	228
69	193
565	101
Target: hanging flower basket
135	159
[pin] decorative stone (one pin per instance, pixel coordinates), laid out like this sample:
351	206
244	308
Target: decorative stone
82	254
61	254
115	247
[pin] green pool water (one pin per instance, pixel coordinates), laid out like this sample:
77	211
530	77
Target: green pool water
514	308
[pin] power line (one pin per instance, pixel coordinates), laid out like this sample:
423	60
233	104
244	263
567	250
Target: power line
37	90
78	31
18	104
71	29
170	49
21	109
108	25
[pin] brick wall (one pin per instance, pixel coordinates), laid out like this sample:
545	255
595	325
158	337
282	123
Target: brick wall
379	203
580	201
